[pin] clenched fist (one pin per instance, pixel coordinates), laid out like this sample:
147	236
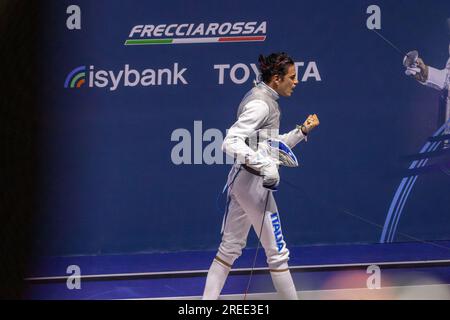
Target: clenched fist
310	123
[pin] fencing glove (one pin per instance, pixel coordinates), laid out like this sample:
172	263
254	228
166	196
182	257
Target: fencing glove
271	177
415	66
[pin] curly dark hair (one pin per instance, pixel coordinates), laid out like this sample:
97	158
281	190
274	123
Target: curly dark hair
274	64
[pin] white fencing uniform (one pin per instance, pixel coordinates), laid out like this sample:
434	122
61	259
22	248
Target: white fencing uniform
258	114
440	80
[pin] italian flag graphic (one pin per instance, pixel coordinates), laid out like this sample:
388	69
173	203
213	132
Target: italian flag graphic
130	42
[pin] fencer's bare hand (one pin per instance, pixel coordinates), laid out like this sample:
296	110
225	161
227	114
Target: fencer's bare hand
310	123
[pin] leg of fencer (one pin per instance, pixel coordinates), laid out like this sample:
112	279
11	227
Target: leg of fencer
272	240
283	283
217	274
234	239
277	259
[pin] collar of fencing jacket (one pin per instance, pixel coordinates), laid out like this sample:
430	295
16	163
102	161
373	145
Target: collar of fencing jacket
269	90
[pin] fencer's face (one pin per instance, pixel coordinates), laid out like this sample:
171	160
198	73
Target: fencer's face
284	87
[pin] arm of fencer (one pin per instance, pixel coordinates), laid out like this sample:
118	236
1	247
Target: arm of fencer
253	115
293	137
437	79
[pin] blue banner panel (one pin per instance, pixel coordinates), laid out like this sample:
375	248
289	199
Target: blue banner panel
137	97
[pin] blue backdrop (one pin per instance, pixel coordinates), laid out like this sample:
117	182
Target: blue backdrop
108	180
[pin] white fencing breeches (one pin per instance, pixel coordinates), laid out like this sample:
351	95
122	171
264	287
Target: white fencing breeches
245	208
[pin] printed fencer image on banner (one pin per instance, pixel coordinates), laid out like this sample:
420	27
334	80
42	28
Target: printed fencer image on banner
438	79
258	148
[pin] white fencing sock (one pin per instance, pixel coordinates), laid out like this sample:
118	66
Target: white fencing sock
283	283
217	274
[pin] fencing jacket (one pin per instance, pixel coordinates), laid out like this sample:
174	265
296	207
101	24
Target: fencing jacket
440	80
258	118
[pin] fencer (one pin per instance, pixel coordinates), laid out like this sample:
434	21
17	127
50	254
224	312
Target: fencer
438	79
254	176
